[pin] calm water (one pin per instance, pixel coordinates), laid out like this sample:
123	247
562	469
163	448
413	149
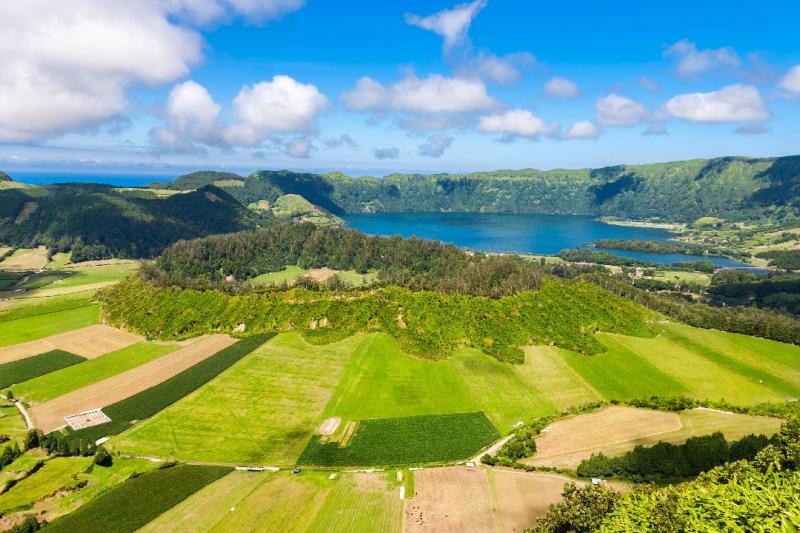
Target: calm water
536	234
114	179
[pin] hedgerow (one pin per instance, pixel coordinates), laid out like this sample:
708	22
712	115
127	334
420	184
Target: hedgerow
139	500
148	402
407	440
38	365
424	323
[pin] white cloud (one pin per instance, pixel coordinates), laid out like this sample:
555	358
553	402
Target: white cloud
451	24
515	123
583	129
692	61
386	153
205	11
561	88
192	113
498	69
300	148
733	103
649	84
435	146
67	65
342	140
434	94
617	110
791	82
282	105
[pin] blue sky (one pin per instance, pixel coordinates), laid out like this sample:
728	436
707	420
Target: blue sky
376	87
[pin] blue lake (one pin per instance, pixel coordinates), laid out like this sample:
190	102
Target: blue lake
534	234
115	179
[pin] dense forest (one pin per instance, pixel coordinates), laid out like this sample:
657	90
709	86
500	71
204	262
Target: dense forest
665	247
776	291
97	221
733	188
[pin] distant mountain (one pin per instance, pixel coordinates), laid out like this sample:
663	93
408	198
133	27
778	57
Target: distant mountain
96	221
5	177
734	188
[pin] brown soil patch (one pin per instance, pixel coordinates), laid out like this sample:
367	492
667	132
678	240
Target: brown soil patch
520	498
50	415
450	499
568	442
321	274
329	426
29	260
90	342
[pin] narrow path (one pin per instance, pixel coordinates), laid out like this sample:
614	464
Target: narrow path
24	413
491	450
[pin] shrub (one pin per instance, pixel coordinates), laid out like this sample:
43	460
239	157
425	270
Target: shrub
102	457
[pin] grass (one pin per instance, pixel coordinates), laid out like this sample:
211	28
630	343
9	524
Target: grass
38	326
38	365
262	410
149	402
59	260
136	502
408	440
97	274
276	278
683	276
248	501
55	384
11	422
27	308
56	474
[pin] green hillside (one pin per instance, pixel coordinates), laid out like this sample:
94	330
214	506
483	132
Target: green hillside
96	221
735	188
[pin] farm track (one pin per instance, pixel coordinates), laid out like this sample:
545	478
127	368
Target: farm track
89	342
50	415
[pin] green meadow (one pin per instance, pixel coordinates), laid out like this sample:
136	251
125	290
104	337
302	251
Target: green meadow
38	326
54	384
55	474
33	367
266	407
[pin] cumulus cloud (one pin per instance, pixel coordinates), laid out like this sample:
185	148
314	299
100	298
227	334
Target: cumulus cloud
561	88
649	84
342	140
435	145
300	148
451	24
206	11
757	128
497	69
617	110
733	103
692	61
583	129
515	123
67	65
655	130
791	82
386	153
434	94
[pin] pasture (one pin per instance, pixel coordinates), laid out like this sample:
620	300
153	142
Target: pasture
32	367
292	273
88	342
11	421
615	430
50	415
26	259
280	501
57	383
403	441
54	475
128	506
38	326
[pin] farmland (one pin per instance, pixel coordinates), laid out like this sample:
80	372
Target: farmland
134	503
262	501
32	367
35	327
57	383
55	474
89	342
407	440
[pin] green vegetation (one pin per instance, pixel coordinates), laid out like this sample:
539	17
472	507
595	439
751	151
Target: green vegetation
56	474
582	255
262	410
11	422
783	259
663	247
408	440
97	222
38	365
288	274
53	304
136	502
665	461
295	207
776	291
428	324
55	384
33	327
147	403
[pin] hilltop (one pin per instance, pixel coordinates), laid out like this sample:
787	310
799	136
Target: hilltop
733	188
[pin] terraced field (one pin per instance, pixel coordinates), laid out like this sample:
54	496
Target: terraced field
263	501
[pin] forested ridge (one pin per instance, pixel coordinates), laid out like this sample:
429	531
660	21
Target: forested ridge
98	221
735	188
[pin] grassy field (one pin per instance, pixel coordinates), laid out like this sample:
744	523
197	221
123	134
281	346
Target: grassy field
40	307
136	502
38	326
11	421
261	410
36	366
83	275
250	501
55	474
26	259
407	440
293	272
54	384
